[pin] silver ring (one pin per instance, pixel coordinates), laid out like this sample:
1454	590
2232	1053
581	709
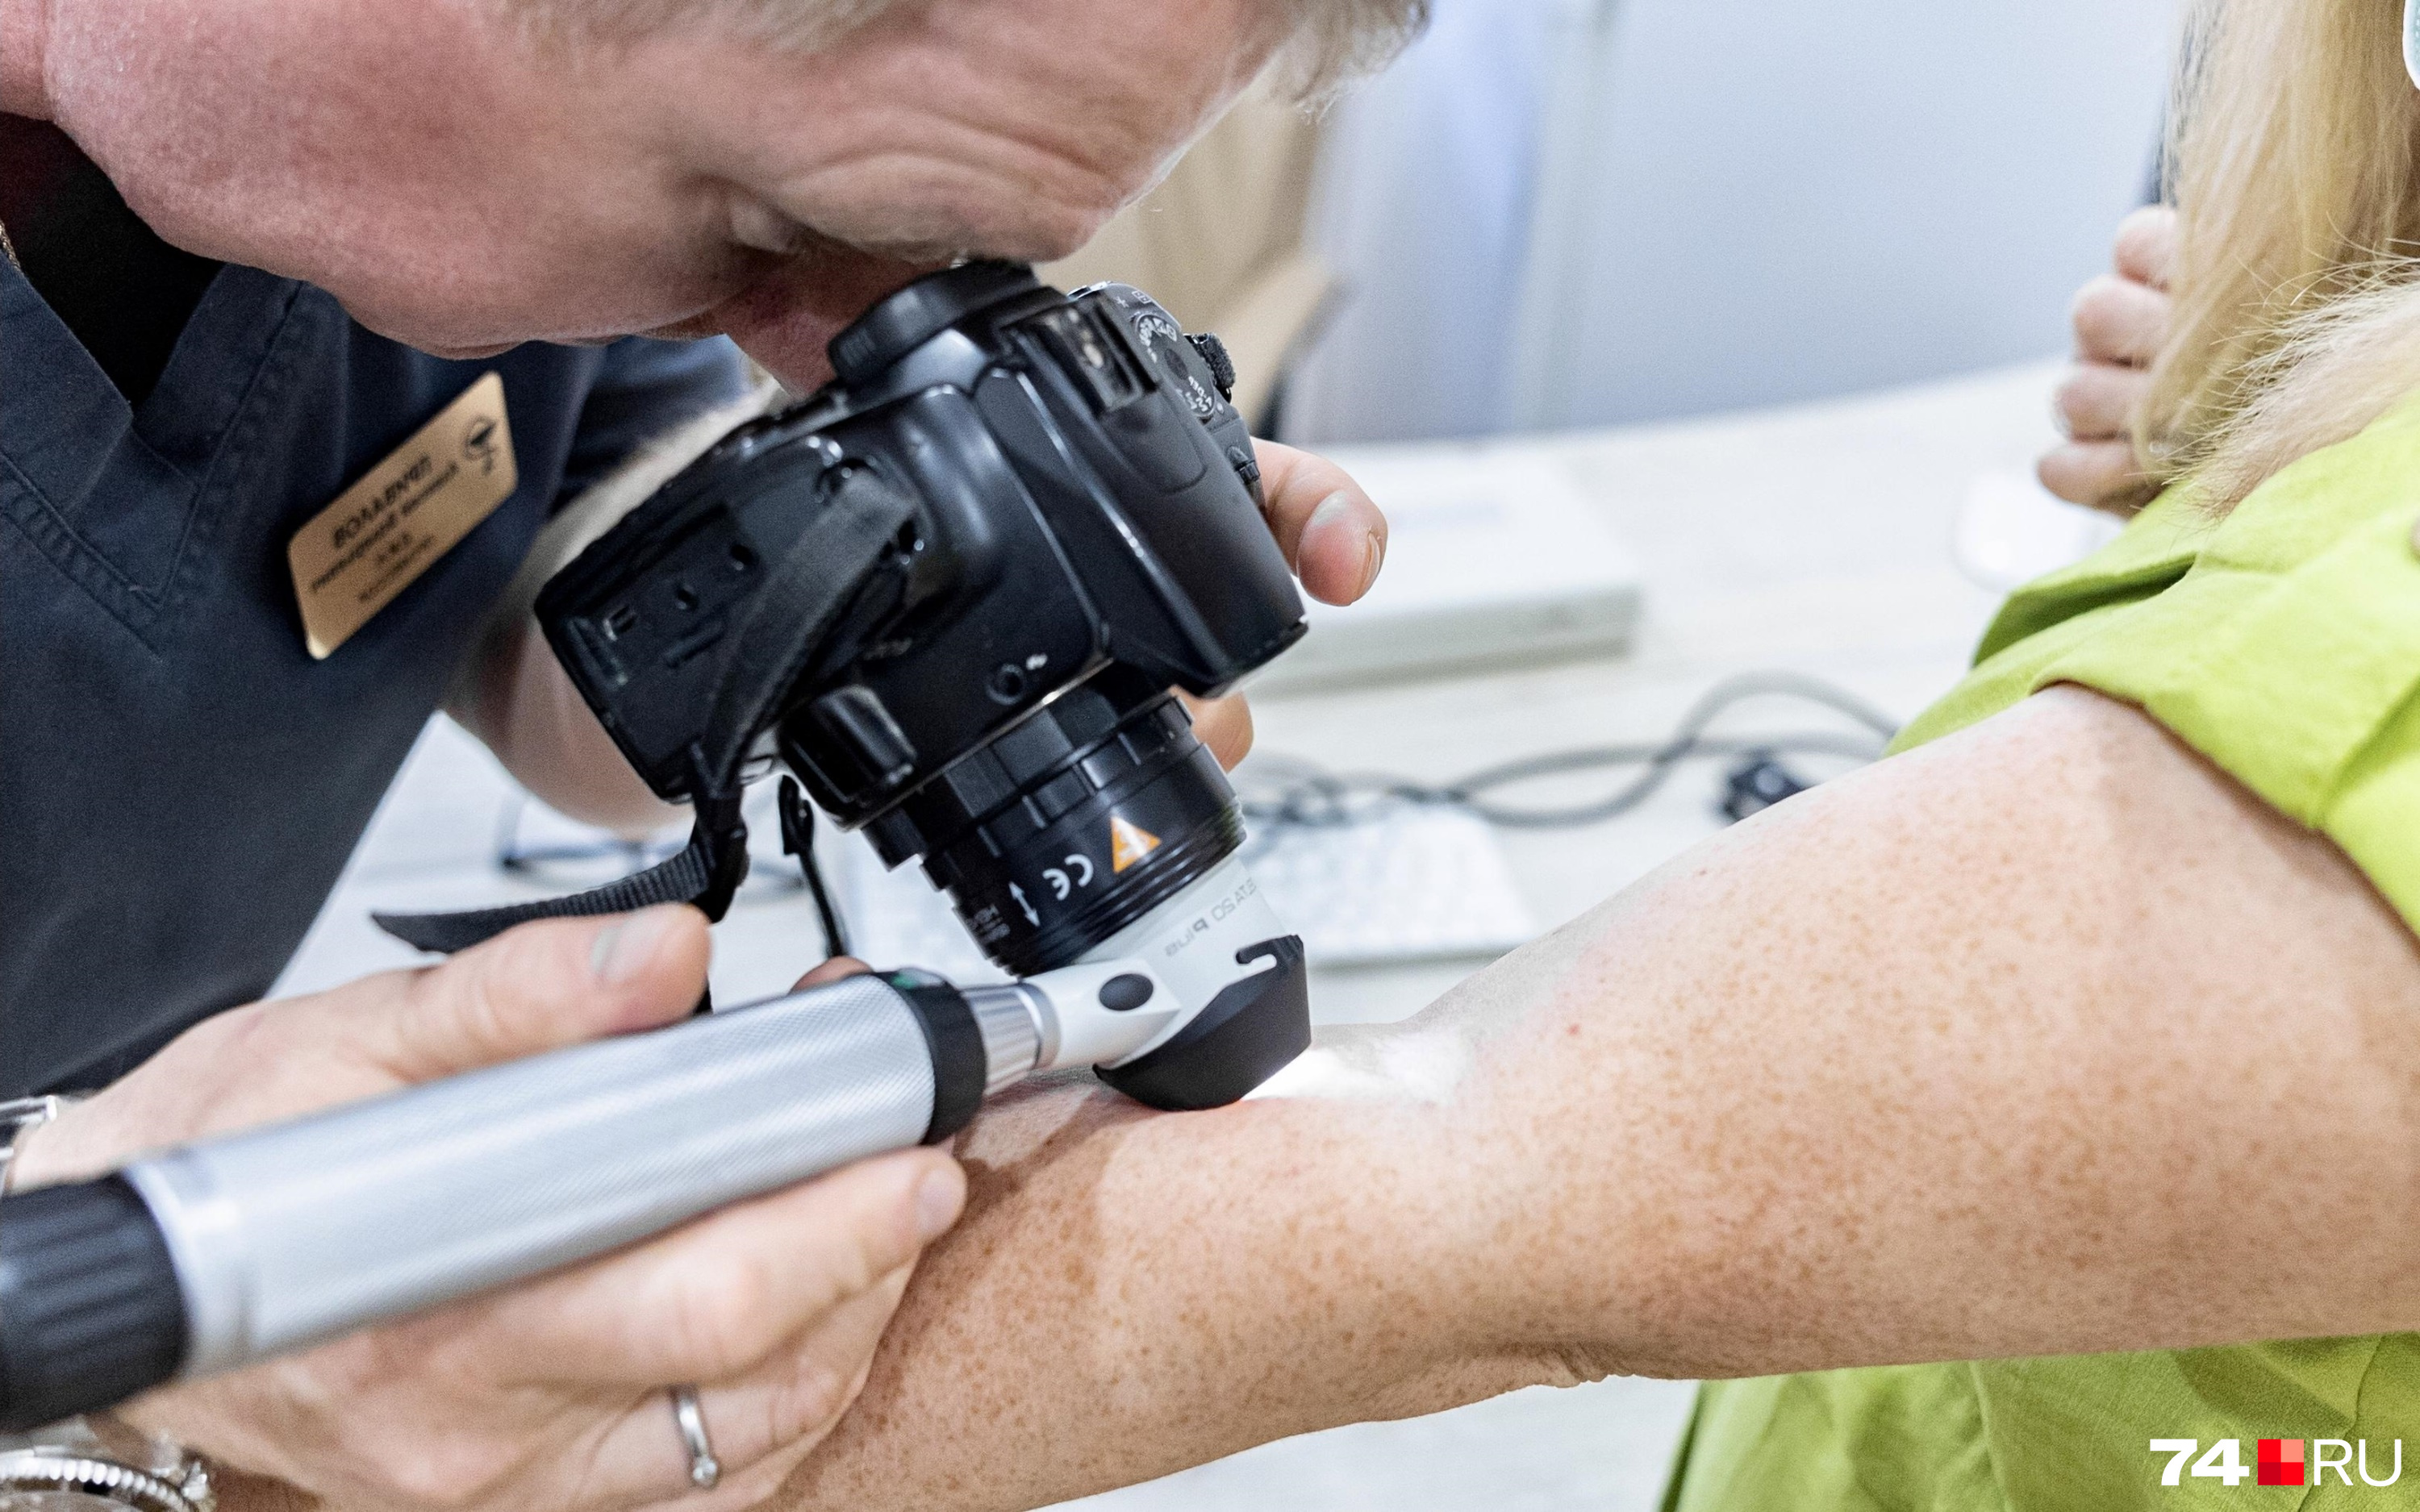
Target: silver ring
703	1469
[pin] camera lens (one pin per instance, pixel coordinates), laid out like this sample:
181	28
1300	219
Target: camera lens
1071	825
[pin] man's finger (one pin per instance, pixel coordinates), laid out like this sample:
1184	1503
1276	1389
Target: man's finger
763	1423
1332	535
1224	725
2119	320
838	968
2096	400
545	985
715	1298
2146	246
2099	473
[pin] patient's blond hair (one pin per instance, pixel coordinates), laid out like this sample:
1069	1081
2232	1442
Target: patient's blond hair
2293	152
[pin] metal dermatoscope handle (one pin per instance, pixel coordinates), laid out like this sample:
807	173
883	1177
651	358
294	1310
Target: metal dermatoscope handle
221	1253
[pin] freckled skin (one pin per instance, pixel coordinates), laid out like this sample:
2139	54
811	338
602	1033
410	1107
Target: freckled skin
1987	1051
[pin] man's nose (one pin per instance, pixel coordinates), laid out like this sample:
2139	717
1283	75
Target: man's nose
785	319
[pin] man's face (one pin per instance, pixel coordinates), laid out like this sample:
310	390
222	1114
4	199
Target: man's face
462	188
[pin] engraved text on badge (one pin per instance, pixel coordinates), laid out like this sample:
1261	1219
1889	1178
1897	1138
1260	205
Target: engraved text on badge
398	518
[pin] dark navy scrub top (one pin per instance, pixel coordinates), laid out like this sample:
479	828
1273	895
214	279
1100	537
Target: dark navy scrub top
180	783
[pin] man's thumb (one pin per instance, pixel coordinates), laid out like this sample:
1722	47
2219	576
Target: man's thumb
549	984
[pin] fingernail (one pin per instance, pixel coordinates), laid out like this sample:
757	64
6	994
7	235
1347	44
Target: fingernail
1334	509
624	950
938	1197
1335	506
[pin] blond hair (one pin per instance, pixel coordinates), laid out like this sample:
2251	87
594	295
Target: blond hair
2292	149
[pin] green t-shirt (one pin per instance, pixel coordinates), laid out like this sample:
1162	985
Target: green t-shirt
2283	643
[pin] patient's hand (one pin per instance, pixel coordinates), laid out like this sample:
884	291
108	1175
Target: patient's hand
2121	321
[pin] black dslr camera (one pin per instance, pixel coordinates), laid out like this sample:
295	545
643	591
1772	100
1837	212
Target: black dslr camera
950	592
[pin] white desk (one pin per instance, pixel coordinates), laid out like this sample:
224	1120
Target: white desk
1813	539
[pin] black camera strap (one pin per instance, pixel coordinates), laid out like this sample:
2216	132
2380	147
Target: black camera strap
763	655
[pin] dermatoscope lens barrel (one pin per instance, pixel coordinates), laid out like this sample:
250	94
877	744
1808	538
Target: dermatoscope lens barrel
1071	826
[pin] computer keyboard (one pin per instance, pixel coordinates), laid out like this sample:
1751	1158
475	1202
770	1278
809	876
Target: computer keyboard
1407	883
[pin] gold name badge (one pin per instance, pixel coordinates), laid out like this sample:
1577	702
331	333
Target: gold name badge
393	524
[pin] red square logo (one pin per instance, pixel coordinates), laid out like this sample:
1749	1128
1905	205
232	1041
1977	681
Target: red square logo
2281	1462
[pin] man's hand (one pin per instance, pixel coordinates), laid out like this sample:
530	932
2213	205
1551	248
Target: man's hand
2121	322
1334	538
550	1394
1332	535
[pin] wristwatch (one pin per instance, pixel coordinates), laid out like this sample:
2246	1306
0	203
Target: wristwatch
20	1115
97	1463
100	1463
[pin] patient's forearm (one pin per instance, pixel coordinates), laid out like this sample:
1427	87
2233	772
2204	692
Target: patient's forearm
1125	1294
1984	1052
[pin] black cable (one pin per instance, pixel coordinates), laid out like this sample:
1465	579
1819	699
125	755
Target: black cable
1315	798
1312	797
512	855
798	840
827	914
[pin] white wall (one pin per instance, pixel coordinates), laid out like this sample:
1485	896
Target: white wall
1425	203
1561	212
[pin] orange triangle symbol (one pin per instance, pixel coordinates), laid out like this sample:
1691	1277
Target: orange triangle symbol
1128	844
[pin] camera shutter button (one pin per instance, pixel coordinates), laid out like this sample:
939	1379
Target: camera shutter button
1124	993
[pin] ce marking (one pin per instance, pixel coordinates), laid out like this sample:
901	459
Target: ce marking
1061	884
